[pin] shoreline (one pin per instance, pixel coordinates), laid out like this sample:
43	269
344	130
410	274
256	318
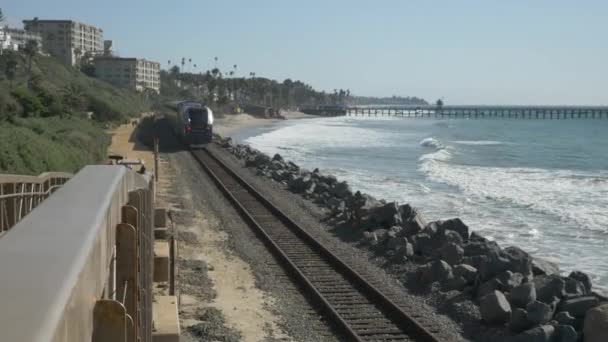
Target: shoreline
238	124
441	258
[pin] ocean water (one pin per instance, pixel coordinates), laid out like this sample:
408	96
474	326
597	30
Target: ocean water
538	184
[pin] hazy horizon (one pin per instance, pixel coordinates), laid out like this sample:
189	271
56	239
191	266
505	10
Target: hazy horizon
466	52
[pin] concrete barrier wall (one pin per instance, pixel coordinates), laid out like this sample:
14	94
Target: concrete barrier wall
59	261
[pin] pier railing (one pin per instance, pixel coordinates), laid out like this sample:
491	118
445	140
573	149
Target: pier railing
79	266
19	195
484	112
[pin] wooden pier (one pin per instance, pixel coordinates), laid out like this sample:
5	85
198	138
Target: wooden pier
484	112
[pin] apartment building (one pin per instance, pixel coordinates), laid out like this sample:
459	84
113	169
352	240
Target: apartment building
67	40
131	73
6	41
15	39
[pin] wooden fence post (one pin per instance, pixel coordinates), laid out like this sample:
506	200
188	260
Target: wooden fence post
109	321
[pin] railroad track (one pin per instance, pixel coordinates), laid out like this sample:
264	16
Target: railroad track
355	306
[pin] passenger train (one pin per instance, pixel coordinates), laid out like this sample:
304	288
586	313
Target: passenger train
193	123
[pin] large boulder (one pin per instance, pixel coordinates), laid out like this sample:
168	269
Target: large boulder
329	179
300	184
226	142
276	165
387	215
549	287
412	220
363	203
564	318
394	241
492	266
455	225
518	260
523	295
539	313
336	206
489	287
250	161
278	175
261	159
495	308
596	324
578	306
452	253
468	272
519	320
510	279
478	245
475	260
583	278
341	190
544	267
444	237
543	333
378	236
574	288
293	167
310	188
321	188
431	228
566	333
423	244
406	250
438	270
456	283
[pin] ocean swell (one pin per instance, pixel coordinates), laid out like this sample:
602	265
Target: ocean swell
531	189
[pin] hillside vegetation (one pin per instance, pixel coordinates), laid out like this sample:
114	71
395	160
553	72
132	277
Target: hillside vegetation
53	117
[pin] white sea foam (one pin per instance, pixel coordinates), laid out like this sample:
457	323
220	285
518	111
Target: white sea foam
431	142
541	190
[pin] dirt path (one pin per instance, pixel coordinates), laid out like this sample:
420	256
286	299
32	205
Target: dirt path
211	276
125	143
218	295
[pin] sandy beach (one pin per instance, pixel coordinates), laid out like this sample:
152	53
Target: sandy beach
230	125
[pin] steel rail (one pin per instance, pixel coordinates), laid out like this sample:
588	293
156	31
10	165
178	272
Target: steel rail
404	327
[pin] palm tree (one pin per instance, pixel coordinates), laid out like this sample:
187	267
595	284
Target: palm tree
216	72
215	59
1	16
30	50
73	95
169	62
183	63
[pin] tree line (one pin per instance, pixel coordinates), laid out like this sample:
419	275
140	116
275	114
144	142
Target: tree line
225	87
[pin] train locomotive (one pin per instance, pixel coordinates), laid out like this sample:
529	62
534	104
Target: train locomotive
193	123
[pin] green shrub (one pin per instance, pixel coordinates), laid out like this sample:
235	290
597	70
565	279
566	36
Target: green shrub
29	102
36	145
102	111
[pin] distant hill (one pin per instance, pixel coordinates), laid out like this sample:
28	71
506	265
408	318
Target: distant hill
394	100
44	121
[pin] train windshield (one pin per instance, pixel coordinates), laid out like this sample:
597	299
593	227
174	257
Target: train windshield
198	117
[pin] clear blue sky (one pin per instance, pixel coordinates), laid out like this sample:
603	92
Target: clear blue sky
467	51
